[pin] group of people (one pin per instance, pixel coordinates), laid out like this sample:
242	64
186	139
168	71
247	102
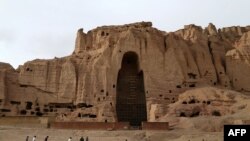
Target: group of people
34	138
81	139
47	138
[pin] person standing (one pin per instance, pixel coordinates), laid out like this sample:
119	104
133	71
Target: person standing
46	139
87	138
34	138
70	139
27	138
81	139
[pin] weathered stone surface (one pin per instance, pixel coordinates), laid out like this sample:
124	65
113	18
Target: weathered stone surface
4	68
237	61
67	81
205	101
212	108
84	86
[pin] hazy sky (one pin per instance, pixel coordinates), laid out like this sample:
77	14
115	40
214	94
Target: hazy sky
44	29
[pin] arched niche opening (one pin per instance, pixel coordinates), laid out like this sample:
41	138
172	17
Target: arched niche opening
130	99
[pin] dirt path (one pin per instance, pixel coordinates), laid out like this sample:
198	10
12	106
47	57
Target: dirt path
19	134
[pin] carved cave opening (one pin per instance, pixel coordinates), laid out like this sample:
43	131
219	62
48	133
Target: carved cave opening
130	99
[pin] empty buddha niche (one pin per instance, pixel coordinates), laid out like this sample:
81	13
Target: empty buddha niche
131	101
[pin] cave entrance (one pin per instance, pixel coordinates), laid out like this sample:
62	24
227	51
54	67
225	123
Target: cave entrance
130	99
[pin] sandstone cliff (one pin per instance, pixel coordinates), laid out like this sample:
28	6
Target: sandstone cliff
84	85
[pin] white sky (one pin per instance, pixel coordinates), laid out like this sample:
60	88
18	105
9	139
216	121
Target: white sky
31	29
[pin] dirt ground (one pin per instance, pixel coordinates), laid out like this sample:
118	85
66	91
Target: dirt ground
10	133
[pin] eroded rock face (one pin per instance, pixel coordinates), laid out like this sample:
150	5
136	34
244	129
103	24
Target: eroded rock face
205	101
237	62
208	109
84	85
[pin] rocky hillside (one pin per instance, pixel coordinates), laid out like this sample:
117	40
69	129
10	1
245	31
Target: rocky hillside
84	85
